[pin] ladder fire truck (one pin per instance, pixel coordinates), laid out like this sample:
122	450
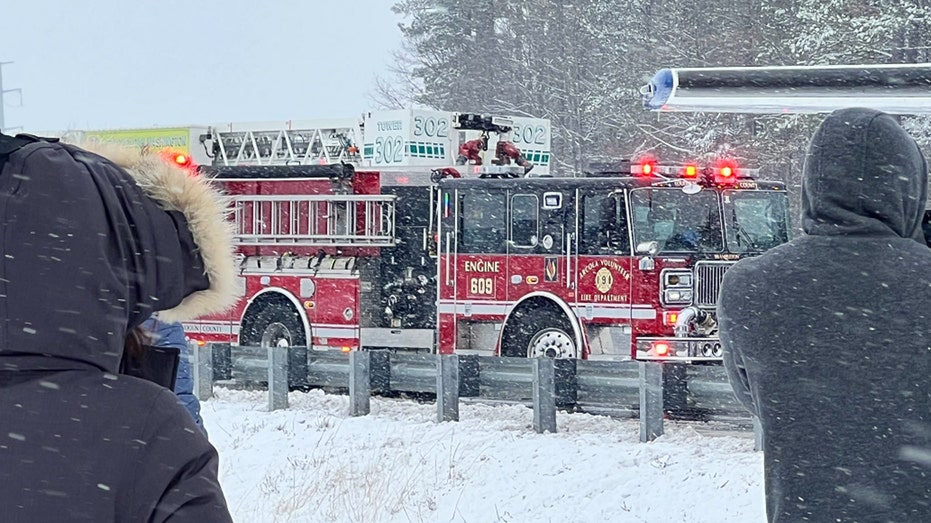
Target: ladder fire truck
380	234
336	223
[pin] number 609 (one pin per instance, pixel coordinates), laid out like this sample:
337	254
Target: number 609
481	286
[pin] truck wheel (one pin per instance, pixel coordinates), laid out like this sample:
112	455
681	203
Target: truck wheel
283	328
545	333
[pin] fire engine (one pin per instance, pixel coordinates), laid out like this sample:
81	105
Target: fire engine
622	262
336	223
334	219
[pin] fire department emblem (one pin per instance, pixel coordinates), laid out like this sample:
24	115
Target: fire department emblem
550	269
604	280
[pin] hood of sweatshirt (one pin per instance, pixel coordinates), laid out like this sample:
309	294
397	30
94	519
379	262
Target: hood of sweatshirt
863	175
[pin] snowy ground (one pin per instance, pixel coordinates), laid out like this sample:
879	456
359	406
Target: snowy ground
314	463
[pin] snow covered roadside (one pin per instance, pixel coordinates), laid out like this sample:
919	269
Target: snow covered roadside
314	463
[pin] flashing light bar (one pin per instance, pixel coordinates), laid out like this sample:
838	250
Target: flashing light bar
689	170
651	168
513	170
895	89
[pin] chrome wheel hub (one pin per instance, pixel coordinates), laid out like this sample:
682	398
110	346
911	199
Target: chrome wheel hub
551	343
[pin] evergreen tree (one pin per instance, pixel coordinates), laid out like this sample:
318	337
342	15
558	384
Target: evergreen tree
581	63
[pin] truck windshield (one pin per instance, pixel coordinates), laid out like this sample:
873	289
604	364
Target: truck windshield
677	221
755	221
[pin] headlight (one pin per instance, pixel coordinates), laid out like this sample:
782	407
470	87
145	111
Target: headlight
676	287
677	295
677	279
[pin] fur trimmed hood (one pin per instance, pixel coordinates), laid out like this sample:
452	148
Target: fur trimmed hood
204	209
94	242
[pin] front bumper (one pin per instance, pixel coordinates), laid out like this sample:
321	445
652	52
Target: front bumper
699	349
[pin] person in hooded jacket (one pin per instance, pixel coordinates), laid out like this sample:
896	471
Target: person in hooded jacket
92	245
826	338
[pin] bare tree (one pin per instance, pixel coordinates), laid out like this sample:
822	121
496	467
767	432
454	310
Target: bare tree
402	88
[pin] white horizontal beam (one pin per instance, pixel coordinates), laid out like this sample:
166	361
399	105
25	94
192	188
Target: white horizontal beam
896	89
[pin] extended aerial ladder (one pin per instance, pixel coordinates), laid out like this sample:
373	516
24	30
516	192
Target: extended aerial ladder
285	143
903	89
388	139
296	156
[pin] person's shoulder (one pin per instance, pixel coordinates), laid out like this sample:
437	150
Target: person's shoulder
126	390
166	419
144	409
911	255
756	271
773	257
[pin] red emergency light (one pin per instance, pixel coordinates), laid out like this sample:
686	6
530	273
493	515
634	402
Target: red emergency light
645	167
661	348
182	160
690	171
179	159
725	173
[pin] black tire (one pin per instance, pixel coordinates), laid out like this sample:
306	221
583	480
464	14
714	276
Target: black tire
275	323
528	325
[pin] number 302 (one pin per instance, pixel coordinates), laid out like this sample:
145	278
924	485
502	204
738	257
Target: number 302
389	149
481	286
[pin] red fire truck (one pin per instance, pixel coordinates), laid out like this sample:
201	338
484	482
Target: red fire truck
336	223
434	231
622	263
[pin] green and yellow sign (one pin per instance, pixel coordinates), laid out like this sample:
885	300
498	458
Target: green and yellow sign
177	138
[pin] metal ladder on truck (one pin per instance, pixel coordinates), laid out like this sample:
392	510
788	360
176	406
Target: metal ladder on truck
325	220
286	143
333	217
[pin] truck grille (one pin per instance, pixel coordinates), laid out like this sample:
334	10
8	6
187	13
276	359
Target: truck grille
708	276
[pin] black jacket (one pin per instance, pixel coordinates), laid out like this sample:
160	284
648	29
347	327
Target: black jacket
89	250
828	338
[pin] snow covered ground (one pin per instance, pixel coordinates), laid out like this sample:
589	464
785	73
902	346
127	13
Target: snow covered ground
314	463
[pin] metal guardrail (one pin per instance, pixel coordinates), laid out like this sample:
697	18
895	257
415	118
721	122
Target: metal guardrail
648	390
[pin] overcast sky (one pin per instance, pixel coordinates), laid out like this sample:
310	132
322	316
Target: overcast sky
106	64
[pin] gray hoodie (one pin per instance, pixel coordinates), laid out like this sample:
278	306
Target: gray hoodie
88	250
828	338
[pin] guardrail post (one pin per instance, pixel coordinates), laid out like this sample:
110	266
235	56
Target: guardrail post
447	387
277	378
651	400
202	368
757	434
360	383
544	395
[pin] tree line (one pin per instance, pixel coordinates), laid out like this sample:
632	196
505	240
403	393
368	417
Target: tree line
581	64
